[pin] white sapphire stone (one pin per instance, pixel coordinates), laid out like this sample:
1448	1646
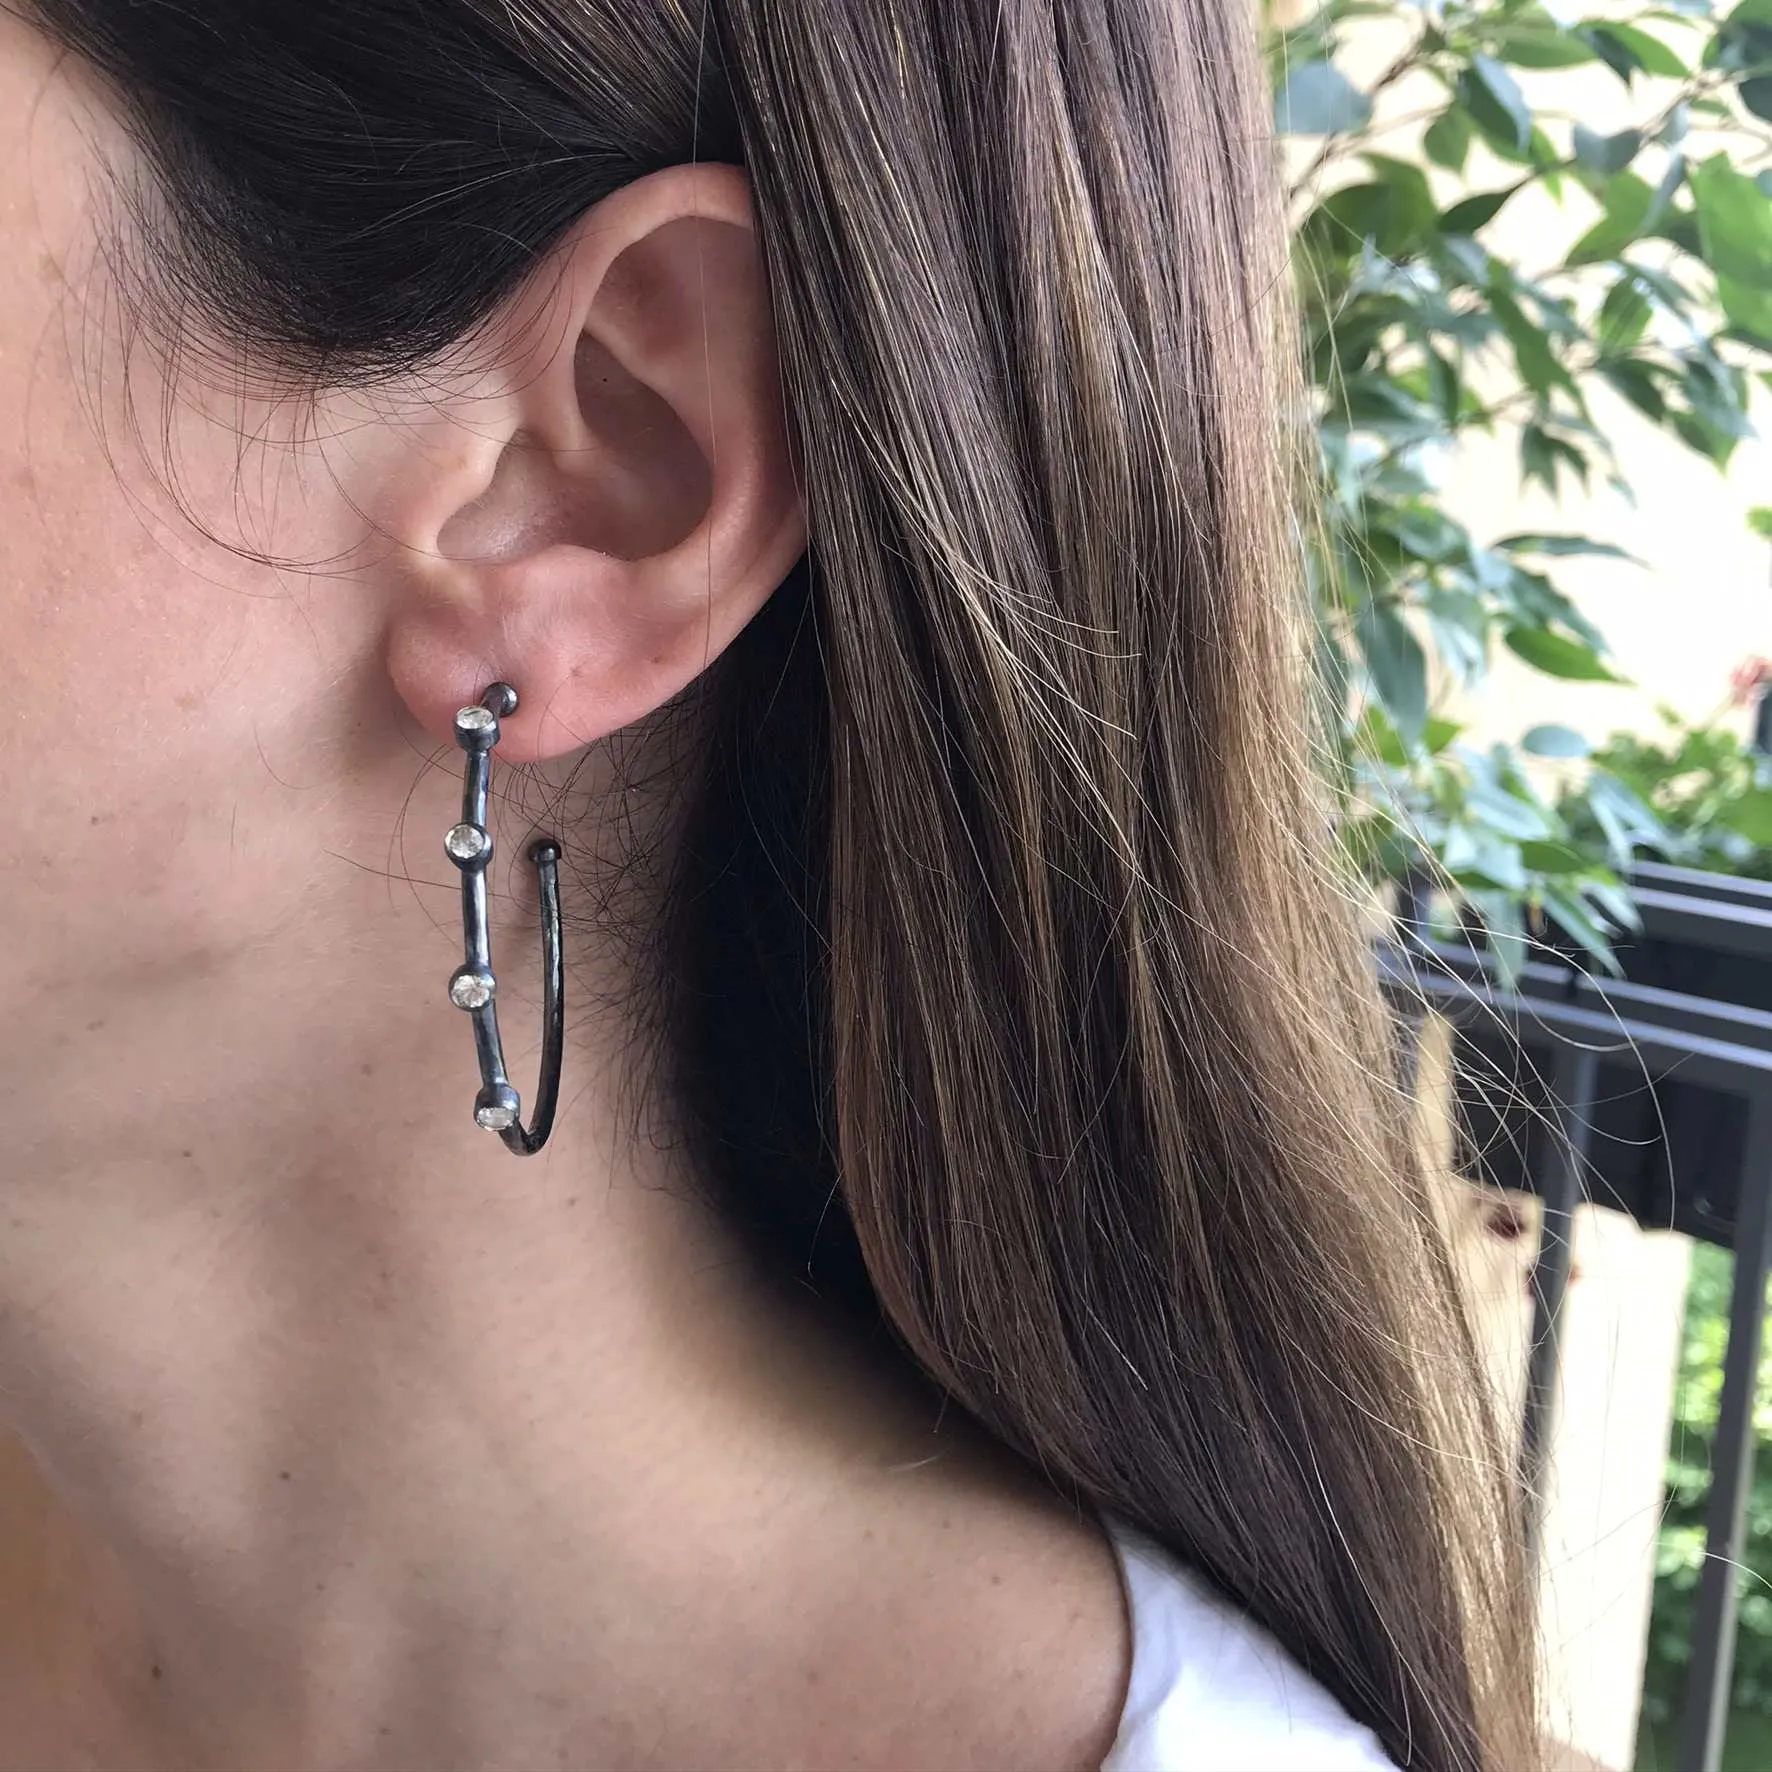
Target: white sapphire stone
475	720
496	1117
466	842
471	990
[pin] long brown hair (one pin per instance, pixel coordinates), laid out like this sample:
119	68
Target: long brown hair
1009	985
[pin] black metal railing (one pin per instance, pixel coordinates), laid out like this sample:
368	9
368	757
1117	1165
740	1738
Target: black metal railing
1651	1094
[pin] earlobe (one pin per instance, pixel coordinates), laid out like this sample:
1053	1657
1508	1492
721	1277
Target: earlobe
614	500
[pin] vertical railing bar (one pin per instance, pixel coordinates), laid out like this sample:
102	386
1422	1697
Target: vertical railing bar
1705	1713
1574	1087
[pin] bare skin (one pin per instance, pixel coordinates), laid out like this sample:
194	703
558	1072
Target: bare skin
335	1437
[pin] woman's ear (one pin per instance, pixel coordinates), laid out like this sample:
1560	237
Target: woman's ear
595	514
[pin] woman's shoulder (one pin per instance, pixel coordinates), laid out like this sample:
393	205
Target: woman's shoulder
1211	1691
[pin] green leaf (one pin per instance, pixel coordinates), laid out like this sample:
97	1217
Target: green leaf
1404	176
1532	601
1465	260
1554	312
1669	291
1559	656
1392	214
1606	154
1678	225
1756	95
1622	814
1496	104
1550	857
1562	546
1555	741
1443	379
1504	921
1576	458
1538	460
1734	223
1482	859
1759	520
1615	900
1448	139
1397	666
1543	154
1458	620
1440	733
1541	46
1747	309
1627	204
1749	12
1476	212
1318	99
1672	177
1635	49
1378	403
1511	814
1639	386
1743	47
1537	362
1422	532
1700	435
1613	53
1624	317
1378	737
1750	816
1569	913
1717	394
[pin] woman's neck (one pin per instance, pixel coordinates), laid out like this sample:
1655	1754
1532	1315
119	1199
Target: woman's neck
406	1453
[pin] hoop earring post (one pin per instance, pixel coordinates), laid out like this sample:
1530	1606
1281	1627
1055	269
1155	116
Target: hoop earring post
473	986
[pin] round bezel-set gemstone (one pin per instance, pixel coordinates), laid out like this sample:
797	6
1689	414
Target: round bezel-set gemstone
467	844
475	720
472	988
498	1108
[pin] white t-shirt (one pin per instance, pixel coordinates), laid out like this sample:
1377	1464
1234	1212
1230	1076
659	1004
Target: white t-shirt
1211	1691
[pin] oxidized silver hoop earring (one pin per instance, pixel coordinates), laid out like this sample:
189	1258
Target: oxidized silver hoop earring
472	986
